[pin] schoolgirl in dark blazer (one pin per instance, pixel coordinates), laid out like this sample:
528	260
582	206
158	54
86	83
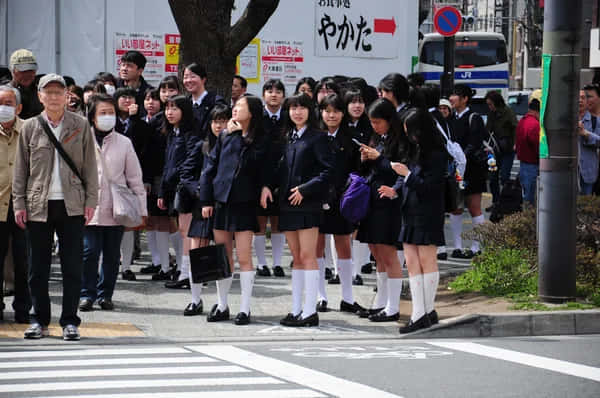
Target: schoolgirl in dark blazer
347	160
201	229
357	116
421	187
302	177
230	186
381	227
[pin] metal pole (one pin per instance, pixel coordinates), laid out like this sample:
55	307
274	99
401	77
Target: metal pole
447	78
557	190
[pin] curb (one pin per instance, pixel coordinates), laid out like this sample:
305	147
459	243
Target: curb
514	324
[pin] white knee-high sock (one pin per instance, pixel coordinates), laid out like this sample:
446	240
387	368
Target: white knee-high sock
177	243
456	222
394	291
361	255
259	250
418	297
311	283
151	238
322	290
126	250
185	268
196	289
162	245
345	268
480	219
381	297
329	260
297	290
246	283
277	242
223	287
430	284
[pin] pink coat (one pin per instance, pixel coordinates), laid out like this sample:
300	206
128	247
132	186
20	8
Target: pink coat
124	168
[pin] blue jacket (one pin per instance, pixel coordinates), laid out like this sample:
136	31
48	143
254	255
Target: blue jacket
588	151
176	152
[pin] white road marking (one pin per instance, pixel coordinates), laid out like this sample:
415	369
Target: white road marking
293	393
133	383
290	372
536	361
92	352
53	363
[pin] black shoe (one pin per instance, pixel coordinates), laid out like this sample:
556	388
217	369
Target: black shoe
364	313
328	273
174	274
468	254
335	280
86	305
298	321
242	319
263	271
289	318
106	304
278	271
422	323
182	284
433	317
161	276
218	315
128	275
457	253
490	208
21	317
322	306
151	269
357	280
442	256
353	308
193	309
382	316
367	268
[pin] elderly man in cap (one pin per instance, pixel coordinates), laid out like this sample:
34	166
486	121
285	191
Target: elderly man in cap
55	189
23	67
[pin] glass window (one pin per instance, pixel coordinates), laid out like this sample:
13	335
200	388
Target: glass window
468	53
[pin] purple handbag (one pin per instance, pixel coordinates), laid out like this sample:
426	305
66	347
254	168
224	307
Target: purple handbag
354	205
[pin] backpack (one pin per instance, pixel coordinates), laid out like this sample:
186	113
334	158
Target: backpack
510	201
354	204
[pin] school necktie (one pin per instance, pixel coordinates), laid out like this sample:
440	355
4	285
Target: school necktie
330	138
274	119
294	137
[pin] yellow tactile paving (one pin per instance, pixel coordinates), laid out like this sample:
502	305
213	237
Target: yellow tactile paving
88	329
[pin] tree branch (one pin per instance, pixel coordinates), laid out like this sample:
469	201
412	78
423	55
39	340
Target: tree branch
255	16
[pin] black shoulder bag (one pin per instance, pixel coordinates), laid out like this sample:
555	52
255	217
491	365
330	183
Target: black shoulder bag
60	149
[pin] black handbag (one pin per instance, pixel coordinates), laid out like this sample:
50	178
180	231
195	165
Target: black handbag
184	201
209	263
451	193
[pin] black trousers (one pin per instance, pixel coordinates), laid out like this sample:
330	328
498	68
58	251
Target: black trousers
10	232
70	239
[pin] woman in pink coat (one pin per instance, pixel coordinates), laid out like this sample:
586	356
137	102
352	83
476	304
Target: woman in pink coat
116	159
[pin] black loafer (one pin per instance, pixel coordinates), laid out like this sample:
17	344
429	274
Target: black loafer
364	313
86	305
278	271
161	276
242	318
422	323
442	256
335	280
322	306
352	308
263	271
182	284
357	280
457	253
328	273
106	304
289	318
128	275
151	269
433	317
193	309
367	268
382	316
218	315
298	321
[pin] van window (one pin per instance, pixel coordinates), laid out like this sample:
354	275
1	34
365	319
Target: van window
468	53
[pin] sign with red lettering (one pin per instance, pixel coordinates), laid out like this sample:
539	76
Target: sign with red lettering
282	59
151	45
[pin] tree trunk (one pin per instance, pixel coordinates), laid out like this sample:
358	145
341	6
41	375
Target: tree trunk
208	38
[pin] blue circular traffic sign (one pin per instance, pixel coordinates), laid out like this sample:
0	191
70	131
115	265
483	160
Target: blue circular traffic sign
447	21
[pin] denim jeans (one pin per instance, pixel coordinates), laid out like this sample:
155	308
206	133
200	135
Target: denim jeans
96	240
585	188
528	174
40	236
504	162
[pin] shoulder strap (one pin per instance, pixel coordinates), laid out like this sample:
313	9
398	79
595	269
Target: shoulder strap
60	149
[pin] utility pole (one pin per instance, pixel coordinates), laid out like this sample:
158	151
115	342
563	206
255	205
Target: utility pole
447	78
557	191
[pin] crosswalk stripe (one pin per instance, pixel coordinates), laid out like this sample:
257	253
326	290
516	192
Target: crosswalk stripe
92	352
177	370
290	393
131	383
103	362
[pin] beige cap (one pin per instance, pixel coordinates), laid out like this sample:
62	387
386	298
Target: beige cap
51	78
445	102
22	60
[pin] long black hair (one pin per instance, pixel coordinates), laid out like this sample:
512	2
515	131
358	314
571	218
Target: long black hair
423	135
187	124
308	80
255	107
304	101
397	85
396	144
219	111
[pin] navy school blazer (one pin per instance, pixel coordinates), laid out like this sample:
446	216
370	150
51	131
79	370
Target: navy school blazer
176	152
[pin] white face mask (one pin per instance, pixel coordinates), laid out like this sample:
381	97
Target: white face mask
7	113
110	89
106	122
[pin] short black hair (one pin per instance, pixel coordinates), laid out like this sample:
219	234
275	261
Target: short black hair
534	105
304	101
415	79
219	111
496	98
592	87
106	77
134	57
171	81
306	80
463	90
94	101
274	84
154	93
197	69
397	85
69	81
243	81
124	92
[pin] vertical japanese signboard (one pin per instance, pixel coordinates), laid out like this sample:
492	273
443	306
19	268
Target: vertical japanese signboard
282	59
171	53
353	28
149	44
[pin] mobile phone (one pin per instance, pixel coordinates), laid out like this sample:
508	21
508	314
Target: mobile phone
357	142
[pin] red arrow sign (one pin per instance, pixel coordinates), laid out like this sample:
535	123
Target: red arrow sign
385	26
